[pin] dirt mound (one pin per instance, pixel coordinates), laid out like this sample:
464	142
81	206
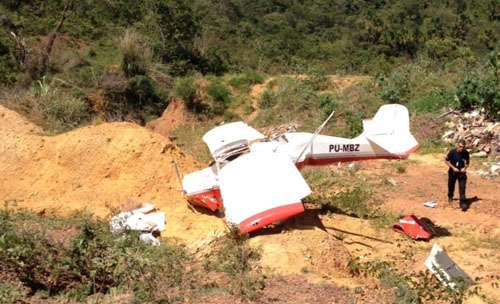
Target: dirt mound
96	168
10	121
174	115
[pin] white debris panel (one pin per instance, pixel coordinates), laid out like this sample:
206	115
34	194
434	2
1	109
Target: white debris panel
443	267
141	219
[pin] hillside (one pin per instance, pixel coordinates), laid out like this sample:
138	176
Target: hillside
98	99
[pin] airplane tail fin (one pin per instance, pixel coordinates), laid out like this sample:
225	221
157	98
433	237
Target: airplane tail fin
390	130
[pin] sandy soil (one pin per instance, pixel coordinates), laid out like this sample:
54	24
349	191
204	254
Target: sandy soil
174	115
96	168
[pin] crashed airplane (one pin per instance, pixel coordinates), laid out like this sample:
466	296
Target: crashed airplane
257	182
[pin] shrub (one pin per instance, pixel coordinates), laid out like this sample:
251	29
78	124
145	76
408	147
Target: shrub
327	103
291	100
135	98
52	107
354	123
475	92
416	287
481	89
220	97
185	89
66	112
94	261
440	48
244	81
395	87
316	78
135	54
434	101
267	100
237	259
8	65
10	294
352	200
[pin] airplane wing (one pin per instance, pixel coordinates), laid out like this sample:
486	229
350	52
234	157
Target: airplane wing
260	188
230	139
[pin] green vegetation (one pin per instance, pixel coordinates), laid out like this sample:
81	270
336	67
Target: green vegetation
385	220
235	258
294	100
244	81
342	194
415	287
427	55
78	257
480	88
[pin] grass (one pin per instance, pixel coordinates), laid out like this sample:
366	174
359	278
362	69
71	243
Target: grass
234	257
429	146
79	259
385	220
188	137
243	82
10	293
353	199
487	242
54	108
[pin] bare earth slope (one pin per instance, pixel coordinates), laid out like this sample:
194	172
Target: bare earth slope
95	168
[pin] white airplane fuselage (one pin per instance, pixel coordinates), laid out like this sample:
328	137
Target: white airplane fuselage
386	136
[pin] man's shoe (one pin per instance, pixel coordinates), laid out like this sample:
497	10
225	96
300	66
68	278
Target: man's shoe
463	206
450	200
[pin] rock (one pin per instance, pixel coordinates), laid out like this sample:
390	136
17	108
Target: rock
480	154
392	182
448	134
476	132
449	124
495	169
479	134
353	167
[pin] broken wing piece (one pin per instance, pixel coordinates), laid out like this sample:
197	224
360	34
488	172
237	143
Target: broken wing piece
261	188
229	139
447	271
202	188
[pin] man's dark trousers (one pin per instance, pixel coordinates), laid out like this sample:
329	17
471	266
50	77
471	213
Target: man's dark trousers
462	181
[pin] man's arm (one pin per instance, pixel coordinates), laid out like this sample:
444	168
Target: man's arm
466	162
447	162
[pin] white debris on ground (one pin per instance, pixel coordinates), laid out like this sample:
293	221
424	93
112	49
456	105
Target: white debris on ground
445	270
431	204
481	134
143	219
491	170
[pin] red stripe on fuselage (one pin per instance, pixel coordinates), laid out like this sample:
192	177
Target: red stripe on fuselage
274	215
335	159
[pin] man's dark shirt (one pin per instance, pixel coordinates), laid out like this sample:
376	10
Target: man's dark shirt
458	159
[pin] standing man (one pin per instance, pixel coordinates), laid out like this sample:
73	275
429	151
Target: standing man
458	161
